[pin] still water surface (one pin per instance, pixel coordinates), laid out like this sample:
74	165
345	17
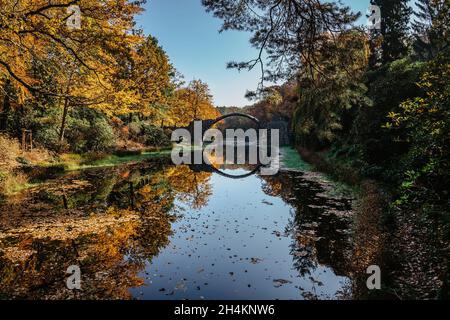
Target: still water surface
156	231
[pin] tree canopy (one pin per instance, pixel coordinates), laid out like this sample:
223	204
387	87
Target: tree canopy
286	33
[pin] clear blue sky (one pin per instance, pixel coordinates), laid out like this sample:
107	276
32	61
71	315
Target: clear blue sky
190	37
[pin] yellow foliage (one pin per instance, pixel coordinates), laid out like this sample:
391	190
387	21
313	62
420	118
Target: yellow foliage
191	103
84	61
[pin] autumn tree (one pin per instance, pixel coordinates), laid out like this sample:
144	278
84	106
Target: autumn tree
32	31
84	60
190	103
149	74
277	102
200	99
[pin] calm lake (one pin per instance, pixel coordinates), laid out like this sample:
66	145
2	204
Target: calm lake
157	231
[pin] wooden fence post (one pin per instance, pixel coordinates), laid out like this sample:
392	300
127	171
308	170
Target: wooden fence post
24	140
27	140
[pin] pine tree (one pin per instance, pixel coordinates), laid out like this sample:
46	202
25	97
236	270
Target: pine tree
286	33
423	16
430	27
395	15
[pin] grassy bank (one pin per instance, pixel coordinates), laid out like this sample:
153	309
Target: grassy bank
291	160
19	169
12	161
74	162
336	169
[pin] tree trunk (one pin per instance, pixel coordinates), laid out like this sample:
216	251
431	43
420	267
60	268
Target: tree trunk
5	110
63	120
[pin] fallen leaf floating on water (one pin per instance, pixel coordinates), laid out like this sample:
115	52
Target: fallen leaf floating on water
255	260
301	254
280	282
181	286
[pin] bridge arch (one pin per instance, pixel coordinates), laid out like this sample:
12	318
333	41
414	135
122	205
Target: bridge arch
236	177
210	123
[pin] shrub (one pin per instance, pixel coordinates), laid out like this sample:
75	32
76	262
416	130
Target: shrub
100	136
93	156
9	152
154	136
135	129
11	158
89	130
49	138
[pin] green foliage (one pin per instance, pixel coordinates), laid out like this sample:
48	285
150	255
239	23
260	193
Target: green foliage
426	121
49	138
135	129
154	136
389	86
86	129
321	113
89	130
100	136
148	134
329	96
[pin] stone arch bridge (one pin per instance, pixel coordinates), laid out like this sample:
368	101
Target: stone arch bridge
281	125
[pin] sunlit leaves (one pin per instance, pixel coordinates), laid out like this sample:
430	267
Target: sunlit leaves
190	103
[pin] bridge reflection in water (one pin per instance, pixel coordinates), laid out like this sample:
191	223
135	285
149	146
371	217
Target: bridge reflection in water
218	164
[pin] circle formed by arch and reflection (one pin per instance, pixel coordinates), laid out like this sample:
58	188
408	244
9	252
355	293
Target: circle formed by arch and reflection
231	115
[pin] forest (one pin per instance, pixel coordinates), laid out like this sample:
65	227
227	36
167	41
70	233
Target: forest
100	89
369	107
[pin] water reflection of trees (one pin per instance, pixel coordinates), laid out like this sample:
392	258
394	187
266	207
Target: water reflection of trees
144	188
109	222
320	224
